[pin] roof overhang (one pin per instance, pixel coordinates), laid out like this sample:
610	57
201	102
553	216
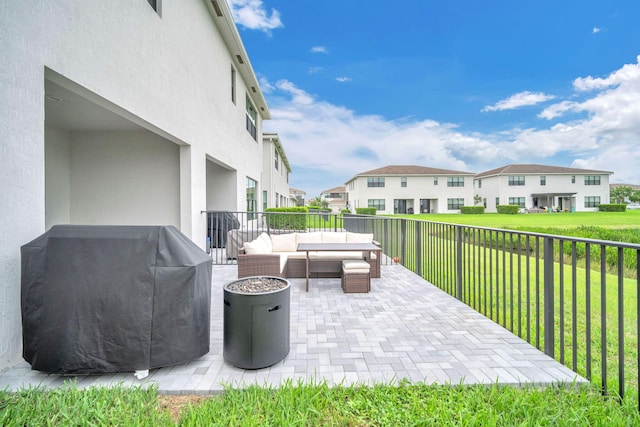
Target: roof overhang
553	194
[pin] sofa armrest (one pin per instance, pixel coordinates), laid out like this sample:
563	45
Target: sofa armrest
259	265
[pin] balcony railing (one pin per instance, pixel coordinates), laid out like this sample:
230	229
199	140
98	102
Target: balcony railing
575	299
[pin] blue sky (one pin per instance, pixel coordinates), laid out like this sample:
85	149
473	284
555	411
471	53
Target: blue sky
454	84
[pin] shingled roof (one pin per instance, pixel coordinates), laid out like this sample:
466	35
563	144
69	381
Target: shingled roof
405	170
527	169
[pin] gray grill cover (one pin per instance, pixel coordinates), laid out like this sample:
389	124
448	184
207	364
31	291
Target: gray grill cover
101	299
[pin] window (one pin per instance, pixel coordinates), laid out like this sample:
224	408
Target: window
453	204
233	85
276	156
252	203
591	201
252	116
484	202
516	179
403	181
277	200
497	201
375	182
543	180
573	179
435	180
592	180
517	201
376	203
264	200
479	183
455	181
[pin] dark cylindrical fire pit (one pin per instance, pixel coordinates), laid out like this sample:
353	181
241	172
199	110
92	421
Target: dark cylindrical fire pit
256	321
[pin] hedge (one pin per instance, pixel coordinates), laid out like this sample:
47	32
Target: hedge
613	207
472	210
508	209
366	211
279	219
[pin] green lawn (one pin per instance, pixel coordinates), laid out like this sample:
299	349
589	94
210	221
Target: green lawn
320	405
628	219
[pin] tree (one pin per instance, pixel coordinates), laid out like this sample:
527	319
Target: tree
622	194
318	203
477	199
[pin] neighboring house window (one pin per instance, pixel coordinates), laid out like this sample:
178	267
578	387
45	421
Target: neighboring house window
497	201
264	200
375	182
517	201
592	180
479	183
252	202
543	180
276	158
573	179
591	201
484	202
252	116
455	181
403	181
233	85
516	180
277	200
376	203
435	180
453	204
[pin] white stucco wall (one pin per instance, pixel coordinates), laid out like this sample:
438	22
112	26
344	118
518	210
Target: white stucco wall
274	181
418	187
169	74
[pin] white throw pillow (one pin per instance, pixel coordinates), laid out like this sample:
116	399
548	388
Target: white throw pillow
255	247
336	237
359	237
283	242
264	238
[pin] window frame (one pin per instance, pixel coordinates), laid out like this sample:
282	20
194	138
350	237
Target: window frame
455	181
455	203
592	180
516	180
375	182
591	201
520	201
379	204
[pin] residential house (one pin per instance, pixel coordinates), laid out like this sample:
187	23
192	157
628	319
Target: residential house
297	197
131	112
539	186
336	198
275	173
410	189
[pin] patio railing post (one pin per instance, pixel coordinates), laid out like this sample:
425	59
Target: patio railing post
418	259
459	262
549	322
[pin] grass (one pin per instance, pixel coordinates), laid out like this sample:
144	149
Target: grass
299	404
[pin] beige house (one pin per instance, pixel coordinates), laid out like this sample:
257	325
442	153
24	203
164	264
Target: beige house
410	189
297	197
336	197
539	186
275	173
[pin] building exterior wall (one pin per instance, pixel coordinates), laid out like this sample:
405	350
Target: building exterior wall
275	181
169	75
558	186
418	188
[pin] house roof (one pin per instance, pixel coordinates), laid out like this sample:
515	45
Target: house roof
339	189
524	169
295	190
406	170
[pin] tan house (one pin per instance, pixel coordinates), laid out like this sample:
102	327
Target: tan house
336	197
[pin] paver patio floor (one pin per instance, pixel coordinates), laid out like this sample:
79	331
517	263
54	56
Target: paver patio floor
405	328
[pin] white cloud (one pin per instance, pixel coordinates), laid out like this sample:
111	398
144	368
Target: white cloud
343	79
335	142
595	30
252	14
319	49
314	70
518	100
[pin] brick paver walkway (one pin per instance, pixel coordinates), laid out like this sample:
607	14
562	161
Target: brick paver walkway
405	328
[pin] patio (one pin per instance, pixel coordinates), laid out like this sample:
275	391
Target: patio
405	328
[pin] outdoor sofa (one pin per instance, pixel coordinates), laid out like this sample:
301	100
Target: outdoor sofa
276	255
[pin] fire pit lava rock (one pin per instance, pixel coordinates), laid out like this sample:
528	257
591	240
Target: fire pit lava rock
256	321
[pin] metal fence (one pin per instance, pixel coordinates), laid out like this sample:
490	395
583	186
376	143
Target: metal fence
575	299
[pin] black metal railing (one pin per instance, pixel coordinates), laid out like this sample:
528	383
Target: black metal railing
575	299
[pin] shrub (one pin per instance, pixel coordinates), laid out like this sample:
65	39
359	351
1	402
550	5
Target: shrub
613	207
345	211
472	210
287	218
366	211
508	209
